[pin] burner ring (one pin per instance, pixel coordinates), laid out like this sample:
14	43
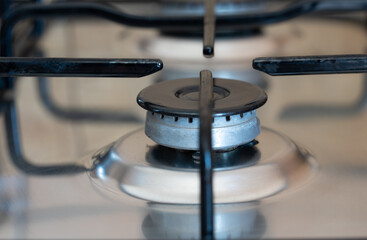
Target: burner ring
180	97
183	133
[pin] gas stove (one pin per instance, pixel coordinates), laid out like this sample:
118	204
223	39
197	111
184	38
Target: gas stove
228	152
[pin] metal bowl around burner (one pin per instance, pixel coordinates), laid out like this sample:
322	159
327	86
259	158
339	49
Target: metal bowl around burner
137	166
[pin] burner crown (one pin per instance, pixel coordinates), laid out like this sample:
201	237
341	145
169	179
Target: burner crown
181	97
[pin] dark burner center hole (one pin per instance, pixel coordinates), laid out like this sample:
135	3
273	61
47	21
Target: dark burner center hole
192	93
165	157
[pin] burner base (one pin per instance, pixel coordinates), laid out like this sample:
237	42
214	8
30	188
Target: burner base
143	169
183	132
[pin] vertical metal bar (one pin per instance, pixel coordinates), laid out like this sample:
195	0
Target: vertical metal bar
209	28
16	152
4	5
39	25
206	155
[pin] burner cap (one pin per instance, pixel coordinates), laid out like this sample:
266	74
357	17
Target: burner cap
181	97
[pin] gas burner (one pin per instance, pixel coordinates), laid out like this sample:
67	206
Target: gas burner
161	164
172	117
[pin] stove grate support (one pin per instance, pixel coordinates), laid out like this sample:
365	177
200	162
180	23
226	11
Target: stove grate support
75	114
57	67
209	28
332	64
206	155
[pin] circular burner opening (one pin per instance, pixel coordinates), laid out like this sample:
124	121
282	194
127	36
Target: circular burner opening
191	93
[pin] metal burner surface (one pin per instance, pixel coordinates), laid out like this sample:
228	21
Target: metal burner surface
172	118
181	97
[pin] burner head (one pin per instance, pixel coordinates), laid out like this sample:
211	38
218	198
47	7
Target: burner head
173	118
181	97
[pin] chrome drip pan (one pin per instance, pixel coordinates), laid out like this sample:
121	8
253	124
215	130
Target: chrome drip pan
137	166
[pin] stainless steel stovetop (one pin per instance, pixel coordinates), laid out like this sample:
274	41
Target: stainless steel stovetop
325	114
